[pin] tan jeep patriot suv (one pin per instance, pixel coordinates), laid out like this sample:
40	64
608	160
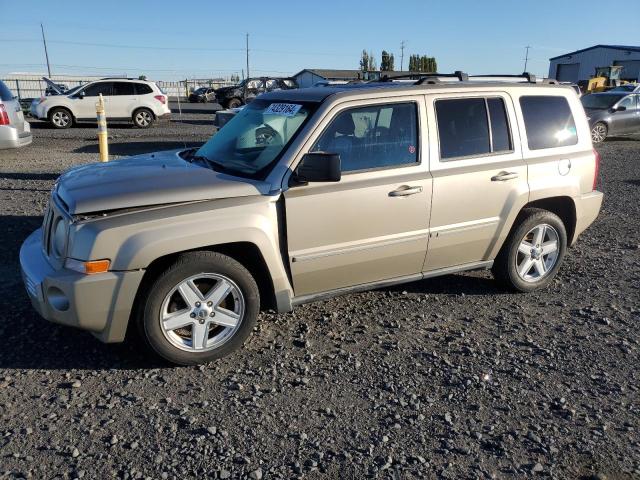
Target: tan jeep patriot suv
314	192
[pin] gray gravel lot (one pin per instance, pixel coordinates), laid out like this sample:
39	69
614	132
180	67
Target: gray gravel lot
446	378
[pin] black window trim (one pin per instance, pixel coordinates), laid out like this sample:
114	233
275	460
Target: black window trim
415	103
486	106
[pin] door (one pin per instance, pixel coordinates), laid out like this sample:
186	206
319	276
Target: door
373	224
628	120
567	72
123	101
84	103
479	176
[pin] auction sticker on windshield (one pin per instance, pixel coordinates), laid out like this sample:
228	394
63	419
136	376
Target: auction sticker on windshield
285	109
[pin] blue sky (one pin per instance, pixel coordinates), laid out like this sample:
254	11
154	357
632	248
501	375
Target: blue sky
171	40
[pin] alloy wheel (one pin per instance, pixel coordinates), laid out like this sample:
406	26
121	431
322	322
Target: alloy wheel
598	133
202	312
537	253
60	118
143	118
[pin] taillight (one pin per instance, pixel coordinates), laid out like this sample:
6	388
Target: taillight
161	98
596	173
4	116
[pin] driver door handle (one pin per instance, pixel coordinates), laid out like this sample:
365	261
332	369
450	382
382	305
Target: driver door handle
405	191
502	176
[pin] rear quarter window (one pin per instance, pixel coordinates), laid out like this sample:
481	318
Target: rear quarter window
5	93
548	122
143	89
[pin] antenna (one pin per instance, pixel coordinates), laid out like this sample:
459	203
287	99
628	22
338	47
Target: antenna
401	54
526	58
46	54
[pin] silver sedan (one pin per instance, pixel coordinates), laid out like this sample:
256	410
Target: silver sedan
14	130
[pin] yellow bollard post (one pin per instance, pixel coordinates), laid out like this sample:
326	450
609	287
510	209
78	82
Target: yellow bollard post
102	130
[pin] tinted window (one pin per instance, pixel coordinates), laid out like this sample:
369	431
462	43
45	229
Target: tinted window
373	137
463	127
5	93
143	89
95	89
548	122
123	88
500	136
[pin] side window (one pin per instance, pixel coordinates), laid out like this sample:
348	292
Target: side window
628	102
463	127
254	84
272	84
500	135
104	88
123	88
548	122
373	137
143	89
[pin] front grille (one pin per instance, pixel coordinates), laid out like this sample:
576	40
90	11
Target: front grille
47	224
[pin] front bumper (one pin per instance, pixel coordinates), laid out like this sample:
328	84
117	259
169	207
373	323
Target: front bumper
100	303
11	137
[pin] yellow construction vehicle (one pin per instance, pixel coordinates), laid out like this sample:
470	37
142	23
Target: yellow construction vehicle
604	79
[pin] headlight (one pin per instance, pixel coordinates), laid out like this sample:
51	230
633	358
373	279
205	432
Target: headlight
59	237
588	118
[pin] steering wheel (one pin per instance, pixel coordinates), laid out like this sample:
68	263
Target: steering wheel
267	135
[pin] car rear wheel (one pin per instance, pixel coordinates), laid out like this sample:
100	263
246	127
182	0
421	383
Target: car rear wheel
60	118
201	308
143	118
533	251
599	132
234	103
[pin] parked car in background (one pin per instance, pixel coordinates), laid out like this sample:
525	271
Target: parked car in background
203	95
243	93
310	193
222	117
139	101
627	88
612	113
14	130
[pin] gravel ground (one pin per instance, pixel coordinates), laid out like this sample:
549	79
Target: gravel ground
445	378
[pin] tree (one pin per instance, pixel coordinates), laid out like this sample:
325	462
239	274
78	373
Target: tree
364	61
422	63
386	63
372	62
391	63
142	77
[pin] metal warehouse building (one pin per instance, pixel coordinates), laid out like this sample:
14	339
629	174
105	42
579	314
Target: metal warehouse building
581	64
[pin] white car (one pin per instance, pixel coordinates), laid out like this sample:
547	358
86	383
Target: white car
14	131
139	101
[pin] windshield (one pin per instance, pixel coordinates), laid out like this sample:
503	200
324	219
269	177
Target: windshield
73	90
600	101
255	137
200	90
623	88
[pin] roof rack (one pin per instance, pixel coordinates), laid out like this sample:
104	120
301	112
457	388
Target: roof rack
421	78
529	77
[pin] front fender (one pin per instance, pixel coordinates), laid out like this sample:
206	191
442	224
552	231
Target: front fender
133	240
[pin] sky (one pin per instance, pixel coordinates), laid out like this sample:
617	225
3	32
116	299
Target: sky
170	40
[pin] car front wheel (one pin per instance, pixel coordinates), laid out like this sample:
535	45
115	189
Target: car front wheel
533	251
201	308
61	118
599	132
143	118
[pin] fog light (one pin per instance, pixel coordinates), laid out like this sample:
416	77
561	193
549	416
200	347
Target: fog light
57	299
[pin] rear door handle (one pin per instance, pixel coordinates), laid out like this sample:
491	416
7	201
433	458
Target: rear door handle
502	176
405	191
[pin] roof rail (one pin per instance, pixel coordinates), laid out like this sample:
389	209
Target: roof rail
528	77
423	77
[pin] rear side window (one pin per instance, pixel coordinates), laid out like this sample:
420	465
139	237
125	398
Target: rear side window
143	89
548	122
5	93
123	88
472	126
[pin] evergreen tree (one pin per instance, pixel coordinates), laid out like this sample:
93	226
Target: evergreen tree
372	62
364	61
391	63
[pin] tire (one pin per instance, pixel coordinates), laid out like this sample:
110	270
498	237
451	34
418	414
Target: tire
234	103
182	327
143	118
599	132
60	118
523	245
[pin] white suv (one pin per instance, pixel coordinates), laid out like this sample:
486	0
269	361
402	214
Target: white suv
139	101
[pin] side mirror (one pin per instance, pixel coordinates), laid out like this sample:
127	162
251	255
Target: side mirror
317	167
619	109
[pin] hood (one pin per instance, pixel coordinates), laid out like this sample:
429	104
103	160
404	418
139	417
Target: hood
149	179
226	89
596	114
54	86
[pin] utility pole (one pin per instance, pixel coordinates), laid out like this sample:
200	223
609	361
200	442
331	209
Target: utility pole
46	54
247	38
401	54
526	58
